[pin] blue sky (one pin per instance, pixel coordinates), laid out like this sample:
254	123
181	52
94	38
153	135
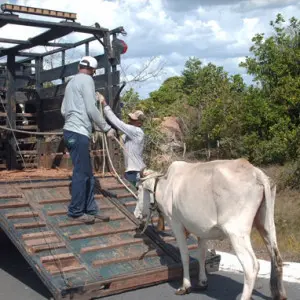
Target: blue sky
217	31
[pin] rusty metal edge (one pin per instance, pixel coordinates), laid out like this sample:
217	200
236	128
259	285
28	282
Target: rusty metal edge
120	284
5	227
43	179
123	283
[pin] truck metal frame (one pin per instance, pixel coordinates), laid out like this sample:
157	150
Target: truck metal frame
24	80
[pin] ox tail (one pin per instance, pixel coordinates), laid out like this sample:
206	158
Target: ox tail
265	224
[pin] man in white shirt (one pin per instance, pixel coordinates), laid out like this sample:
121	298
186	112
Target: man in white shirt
133	140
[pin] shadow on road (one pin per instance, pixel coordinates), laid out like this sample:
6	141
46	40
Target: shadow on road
13	263
221	287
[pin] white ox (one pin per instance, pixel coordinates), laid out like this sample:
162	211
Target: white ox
217	200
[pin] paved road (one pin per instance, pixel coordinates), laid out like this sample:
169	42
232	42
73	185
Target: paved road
19	282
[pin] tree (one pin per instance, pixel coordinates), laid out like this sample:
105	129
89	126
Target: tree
167	99
129	101
151	68
275	67
209	93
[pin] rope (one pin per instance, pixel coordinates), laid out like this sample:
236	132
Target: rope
116	173
103	147
31	132
108	154
120	144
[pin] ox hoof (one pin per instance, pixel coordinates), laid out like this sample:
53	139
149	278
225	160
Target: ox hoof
202	287
183	291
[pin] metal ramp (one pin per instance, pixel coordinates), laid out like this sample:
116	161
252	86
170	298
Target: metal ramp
78	261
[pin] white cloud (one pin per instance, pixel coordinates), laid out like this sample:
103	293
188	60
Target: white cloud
260	4
218	31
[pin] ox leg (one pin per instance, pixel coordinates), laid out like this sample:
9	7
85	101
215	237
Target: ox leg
264	223
179	232
244	251
276	280
202	280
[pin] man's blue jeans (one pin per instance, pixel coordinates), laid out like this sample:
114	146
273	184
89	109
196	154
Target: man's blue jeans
83	181
133	177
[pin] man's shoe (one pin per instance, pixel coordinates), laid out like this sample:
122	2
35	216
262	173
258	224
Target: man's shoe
101	217
88	219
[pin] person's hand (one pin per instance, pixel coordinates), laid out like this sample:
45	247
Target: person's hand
100	98
111	133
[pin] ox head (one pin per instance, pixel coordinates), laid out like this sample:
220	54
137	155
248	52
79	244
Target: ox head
145	194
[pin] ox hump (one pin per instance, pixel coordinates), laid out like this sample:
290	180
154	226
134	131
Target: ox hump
236	170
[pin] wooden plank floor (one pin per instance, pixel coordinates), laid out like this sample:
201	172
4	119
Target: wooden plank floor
68	254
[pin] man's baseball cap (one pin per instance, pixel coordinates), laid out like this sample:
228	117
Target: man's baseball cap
138	115
89	62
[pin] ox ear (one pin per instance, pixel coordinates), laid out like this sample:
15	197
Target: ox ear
161	222
146	173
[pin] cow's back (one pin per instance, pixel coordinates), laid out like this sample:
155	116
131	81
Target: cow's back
181	172
212	192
